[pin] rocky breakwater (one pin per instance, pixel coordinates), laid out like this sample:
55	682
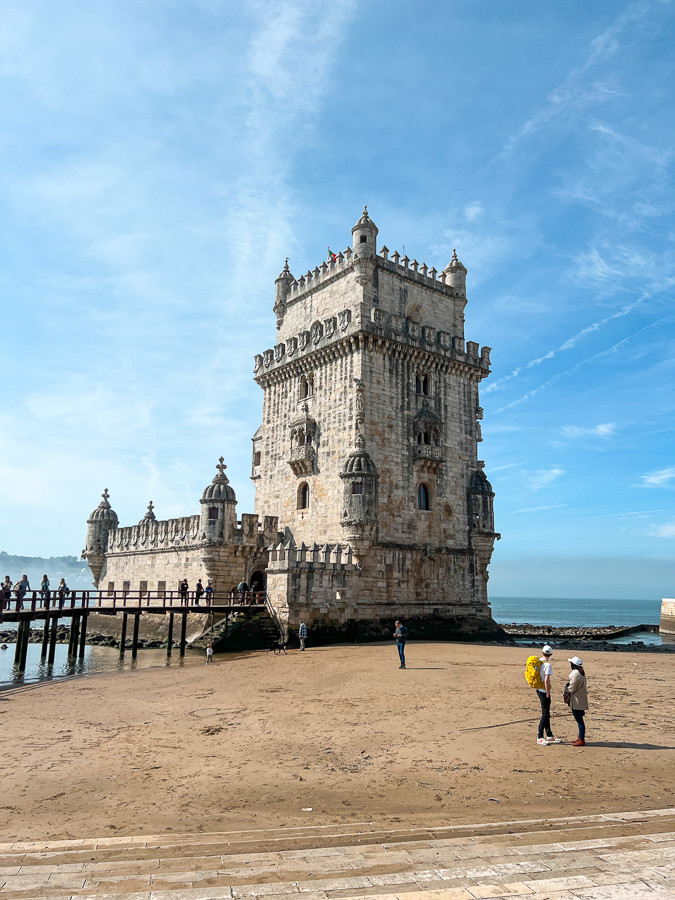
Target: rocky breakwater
585	637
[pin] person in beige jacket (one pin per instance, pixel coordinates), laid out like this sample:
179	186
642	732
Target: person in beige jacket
578	698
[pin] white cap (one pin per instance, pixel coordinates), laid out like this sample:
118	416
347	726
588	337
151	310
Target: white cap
575	661
547	650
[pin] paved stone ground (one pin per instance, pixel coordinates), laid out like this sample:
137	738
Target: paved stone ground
630	855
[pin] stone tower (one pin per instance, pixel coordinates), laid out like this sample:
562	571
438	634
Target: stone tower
368	448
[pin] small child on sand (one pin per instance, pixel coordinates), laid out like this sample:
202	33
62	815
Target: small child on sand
209	654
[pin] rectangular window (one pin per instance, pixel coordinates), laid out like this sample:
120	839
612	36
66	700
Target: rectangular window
357	487
111	588
143	588
125	586
161	589
256	458
213	512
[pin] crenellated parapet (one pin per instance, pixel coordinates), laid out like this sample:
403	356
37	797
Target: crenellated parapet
155	534
285	556
335	336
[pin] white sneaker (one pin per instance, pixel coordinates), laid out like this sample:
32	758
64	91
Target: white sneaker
542	741
553	740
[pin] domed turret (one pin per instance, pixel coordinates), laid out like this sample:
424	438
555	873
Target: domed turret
364	235
218	515
481	497
149	515
100	523
360	494
282	288
455	274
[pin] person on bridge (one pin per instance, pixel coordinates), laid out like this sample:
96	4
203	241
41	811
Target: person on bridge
5	592
44	588
63	590
243	588
209	593
199	591
21	588
183	588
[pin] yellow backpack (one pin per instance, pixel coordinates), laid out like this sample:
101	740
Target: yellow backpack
533	672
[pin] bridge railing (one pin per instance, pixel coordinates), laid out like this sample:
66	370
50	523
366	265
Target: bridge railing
44	601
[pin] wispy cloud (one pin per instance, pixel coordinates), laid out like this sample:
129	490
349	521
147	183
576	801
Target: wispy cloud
536	509
602	430
543	477
660	478
667	530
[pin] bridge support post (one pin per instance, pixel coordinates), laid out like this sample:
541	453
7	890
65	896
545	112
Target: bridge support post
134	640
123	637
183	631
74	636
83	634
19	641
45	639
24	646
169	637
52	640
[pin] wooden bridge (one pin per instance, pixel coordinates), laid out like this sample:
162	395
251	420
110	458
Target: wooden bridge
52	606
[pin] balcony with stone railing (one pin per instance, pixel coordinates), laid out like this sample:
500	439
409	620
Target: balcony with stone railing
428	458
301	459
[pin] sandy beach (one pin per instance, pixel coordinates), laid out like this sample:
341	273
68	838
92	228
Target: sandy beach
336	734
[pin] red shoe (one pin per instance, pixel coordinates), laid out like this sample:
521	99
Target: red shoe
580	742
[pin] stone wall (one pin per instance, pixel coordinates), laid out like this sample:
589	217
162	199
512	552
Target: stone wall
667	625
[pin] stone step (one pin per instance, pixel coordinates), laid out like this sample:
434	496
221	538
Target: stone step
625	857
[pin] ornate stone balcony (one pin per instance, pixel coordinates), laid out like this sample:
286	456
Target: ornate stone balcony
428	458
301	459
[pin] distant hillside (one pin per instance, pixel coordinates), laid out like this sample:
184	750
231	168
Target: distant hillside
74	570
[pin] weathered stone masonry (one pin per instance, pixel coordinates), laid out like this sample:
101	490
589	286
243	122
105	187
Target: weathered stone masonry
371	501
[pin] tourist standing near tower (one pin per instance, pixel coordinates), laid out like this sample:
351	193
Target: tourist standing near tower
578	698
544	694
400	633
302	634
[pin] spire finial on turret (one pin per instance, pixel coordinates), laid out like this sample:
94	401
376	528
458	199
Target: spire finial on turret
221	468
104	504
149	516
454	253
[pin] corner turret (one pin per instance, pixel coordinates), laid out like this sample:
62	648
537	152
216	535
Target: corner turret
364	236
218	515
100	523
282	287
360	494
455	274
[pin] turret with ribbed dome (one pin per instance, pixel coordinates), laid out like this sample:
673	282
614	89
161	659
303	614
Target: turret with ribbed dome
218	514
360	494
364	235
101	521
282	287
455	274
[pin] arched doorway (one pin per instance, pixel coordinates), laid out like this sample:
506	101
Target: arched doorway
258	578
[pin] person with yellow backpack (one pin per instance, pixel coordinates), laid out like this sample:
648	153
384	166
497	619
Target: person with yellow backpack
538	673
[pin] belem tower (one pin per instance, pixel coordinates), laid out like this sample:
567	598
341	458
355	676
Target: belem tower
370	500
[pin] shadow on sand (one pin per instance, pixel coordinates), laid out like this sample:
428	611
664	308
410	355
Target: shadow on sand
626	745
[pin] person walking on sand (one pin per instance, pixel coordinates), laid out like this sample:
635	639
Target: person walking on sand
578	698
302	634
199	590
209	654
544	694
183	588
400	633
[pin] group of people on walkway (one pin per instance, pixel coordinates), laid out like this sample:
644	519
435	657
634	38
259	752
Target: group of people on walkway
575	695
20	588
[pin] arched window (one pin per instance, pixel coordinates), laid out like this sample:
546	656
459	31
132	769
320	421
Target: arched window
301	437
426	385
304	387
418	382
303	496
423	497
427	438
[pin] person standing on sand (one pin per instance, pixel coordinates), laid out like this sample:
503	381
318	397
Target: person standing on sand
209	654
400	633
578	698
544	695
302	634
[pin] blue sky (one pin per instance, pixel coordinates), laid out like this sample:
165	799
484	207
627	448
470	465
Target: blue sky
161	158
